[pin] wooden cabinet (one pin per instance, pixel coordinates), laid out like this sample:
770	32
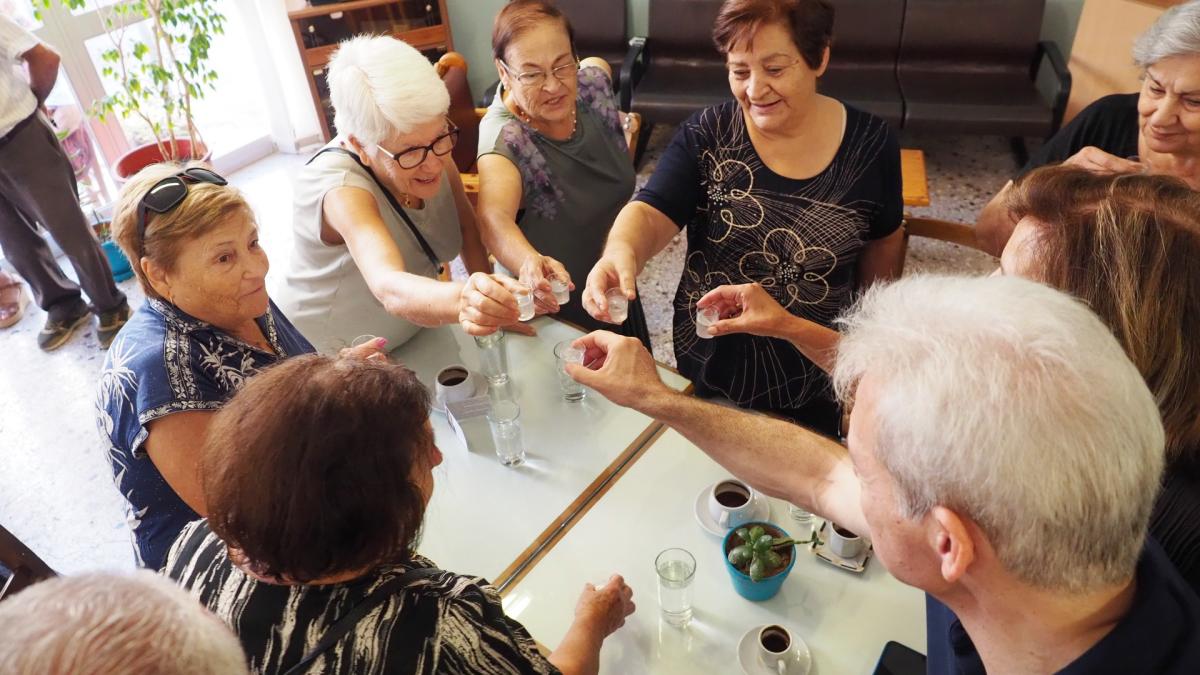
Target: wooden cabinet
318	29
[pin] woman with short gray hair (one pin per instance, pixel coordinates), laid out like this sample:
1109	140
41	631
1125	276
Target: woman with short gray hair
381	207
1156	130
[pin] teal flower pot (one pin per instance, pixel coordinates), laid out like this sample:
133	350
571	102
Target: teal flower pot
766	589
116	260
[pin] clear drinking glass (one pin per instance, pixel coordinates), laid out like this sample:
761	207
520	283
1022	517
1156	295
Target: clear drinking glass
705	318
676	570
561	289
803	519
493	357
524	297
504	420
565	353
618	305
362	340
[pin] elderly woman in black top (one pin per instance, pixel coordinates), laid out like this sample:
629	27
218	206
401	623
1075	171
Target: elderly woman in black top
1156	130
781	186
316	476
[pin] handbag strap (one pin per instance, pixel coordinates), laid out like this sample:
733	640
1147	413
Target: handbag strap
412	227
356	614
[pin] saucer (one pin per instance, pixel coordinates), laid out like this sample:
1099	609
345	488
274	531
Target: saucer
438	405
751	665
821	549
762	512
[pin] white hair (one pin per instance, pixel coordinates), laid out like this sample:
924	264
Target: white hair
382	87
105	623
1175	33
1012	404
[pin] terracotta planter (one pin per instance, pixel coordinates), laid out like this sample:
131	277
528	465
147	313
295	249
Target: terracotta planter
143	156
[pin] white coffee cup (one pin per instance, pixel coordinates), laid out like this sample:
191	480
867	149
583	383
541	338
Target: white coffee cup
844	543
731	503
454	383
775	648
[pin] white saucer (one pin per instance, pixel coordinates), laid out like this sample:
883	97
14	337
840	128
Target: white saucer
751	665
820	547
438	405
762	512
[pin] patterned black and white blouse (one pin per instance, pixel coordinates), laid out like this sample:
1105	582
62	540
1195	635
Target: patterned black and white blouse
799	239
446	624
162	362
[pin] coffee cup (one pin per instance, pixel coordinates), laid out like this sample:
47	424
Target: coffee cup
844	543
775	648
731	503
454	383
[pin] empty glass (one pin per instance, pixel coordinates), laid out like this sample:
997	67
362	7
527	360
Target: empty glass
561	289
804	521
618	305
504	420
524	303
676	570
564	353
493	358
705	318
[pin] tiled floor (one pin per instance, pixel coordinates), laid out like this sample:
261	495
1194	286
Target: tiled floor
56	490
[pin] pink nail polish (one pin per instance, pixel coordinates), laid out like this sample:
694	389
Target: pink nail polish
380	343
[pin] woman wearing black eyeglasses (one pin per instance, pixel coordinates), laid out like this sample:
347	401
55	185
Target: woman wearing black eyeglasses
380	209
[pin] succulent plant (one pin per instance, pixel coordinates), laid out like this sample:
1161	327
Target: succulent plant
757	555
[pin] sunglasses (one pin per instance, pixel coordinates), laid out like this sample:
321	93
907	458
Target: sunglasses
169	193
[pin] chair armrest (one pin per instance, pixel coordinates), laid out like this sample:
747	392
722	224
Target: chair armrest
942	230
1049	50
630	70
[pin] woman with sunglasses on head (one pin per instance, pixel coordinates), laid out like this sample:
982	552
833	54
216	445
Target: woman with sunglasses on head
554	165
207	325
381	207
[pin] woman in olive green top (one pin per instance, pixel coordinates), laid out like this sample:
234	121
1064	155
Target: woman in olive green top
554	166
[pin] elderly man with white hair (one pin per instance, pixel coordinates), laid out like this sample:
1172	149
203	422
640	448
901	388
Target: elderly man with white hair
108	623
1003	456
381	207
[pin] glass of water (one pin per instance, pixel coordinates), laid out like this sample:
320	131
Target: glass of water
676	570
565	353
504	420
804	521
524	296
561	289
618	305
705	318
493	358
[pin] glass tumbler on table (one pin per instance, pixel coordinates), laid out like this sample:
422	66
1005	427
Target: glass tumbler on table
565	353
804	521
493	358
505	422
676	570
618	305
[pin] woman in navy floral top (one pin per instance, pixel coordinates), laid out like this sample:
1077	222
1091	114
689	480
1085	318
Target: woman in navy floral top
206	326
554	165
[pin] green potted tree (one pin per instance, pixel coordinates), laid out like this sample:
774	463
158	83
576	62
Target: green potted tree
759	556
160	78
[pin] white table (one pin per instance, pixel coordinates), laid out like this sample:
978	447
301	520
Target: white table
845	618
487	519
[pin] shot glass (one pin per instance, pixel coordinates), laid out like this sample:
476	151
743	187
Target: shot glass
493	358
362	340
505	422
564	353
676	569
705	318
618	305
524	297
561	289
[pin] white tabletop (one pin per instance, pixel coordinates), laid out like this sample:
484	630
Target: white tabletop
483	516
844	618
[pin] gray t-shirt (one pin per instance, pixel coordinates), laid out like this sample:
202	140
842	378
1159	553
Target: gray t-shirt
572	190
324	293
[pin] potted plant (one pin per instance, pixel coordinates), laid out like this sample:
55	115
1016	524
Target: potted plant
117	262
759	556
159	79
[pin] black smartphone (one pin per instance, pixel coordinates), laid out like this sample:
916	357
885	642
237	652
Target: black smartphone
897	659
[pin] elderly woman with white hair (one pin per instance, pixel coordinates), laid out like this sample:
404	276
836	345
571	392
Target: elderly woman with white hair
1156	130
381	207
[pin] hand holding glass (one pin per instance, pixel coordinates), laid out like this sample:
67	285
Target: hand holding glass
524	296
618	305
565	353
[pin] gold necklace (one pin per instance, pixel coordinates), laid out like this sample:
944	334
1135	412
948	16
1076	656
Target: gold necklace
524	117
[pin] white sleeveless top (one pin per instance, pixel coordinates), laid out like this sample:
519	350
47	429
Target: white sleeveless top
324	293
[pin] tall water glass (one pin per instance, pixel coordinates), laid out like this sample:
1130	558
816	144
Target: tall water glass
804	521
505	422
676	570
493	358
565	353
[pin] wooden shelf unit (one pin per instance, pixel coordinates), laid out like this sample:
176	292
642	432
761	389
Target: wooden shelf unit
424	24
